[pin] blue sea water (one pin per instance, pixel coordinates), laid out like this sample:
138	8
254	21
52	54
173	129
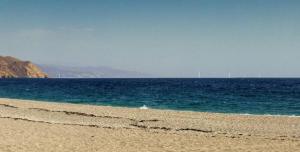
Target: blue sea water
243	96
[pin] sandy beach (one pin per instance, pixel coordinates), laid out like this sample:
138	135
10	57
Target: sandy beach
44	126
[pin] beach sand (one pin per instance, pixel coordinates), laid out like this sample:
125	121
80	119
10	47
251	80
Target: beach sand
44	126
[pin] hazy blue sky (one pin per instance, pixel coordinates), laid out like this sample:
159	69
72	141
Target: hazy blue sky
172	38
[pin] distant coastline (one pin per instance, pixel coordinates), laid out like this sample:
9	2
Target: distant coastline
59	71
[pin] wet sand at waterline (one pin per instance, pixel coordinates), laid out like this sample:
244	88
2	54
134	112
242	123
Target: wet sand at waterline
44	126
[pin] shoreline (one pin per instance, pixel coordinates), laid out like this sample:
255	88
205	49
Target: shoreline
150	108
78	127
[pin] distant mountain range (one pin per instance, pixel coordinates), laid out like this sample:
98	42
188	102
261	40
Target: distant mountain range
55	71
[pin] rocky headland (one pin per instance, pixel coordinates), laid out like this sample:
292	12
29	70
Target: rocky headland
11	67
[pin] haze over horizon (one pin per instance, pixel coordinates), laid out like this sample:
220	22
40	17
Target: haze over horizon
170	38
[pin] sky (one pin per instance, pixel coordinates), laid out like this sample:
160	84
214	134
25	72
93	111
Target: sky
165	38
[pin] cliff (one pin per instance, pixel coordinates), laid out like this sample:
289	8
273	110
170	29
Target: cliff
11	67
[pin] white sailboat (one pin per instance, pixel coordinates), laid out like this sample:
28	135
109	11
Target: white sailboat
199	75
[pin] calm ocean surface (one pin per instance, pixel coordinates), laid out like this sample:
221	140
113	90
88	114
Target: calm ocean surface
244	96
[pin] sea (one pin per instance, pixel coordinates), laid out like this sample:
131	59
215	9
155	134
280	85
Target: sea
263	96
